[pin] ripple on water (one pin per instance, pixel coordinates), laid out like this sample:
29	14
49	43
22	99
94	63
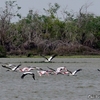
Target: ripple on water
54	87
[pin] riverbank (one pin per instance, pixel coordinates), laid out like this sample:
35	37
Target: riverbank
69	56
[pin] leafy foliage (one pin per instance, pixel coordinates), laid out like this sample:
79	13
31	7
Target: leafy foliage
2	52
48	33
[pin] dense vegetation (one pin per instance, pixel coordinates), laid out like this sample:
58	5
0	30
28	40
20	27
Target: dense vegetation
48	33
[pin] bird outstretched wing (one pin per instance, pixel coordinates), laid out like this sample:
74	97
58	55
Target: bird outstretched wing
6	67
73	73
28	73
52	69
69	71
23	75
14	69
44	57
33	75
50	58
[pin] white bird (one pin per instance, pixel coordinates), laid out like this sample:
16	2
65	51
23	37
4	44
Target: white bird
7	65
28	73
10	68
49	59
72	73
15	68
4	66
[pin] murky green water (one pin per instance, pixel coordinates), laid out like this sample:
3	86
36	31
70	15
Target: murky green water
84	86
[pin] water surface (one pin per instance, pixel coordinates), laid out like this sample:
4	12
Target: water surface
84	86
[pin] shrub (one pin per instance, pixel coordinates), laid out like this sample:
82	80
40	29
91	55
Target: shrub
2	52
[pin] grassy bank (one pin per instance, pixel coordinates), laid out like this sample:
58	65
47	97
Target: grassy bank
69	56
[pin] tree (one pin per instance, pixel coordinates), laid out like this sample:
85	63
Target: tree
84	24
5	21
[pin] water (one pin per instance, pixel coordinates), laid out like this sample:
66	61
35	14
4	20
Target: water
84	86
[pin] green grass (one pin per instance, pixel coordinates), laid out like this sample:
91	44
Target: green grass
69	56
83	56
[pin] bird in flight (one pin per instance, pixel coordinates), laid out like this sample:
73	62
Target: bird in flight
73	73
12	68
28	73
50	58
9	65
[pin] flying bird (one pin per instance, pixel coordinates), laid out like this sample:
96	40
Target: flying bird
28	73
59	70
10	68
73	73
26	69
16	67
42	72
9	65
49	59
4	66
